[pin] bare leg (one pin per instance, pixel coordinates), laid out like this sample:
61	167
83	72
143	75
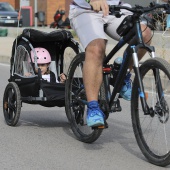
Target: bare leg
92	69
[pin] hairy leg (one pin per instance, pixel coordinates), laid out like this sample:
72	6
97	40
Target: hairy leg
92	69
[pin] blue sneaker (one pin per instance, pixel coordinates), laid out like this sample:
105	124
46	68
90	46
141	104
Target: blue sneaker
126	90
95	116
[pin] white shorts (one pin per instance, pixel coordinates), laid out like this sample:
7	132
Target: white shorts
89	25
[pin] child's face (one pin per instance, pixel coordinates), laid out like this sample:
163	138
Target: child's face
43	68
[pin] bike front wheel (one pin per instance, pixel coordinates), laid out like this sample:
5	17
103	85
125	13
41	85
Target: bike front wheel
152	130
75	99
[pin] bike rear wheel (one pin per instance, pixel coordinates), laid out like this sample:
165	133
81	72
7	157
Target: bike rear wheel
152	130
75	99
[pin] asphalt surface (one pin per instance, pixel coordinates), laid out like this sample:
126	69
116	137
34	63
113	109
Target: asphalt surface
43	140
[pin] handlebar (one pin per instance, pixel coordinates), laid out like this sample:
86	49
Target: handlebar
138	10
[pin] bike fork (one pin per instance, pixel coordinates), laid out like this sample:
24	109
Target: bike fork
141	88
157	79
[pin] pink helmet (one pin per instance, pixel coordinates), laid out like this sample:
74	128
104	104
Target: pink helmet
43	56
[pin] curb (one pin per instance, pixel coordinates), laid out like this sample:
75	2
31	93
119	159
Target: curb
162	45
5	59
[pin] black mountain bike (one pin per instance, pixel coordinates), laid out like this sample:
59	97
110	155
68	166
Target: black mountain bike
150	92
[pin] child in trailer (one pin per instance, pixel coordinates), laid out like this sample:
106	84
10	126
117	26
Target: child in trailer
43	62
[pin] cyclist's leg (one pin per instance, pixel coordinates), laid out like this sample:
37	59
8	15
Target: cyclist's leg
93	39
92	70
92	76
113	23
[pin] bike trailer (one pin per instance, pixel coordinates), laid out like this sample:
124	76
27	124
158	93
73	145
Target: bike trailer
34	89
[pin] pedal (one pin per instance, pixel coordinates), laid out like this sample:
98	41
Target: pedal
116	106
102	127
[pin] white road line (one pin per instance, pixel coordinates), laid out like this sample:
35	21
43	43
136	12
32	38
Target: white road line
3	64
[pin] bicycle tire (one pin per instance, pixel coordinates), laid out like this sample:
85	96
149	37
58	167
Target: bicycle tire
151	131
11	104
75	110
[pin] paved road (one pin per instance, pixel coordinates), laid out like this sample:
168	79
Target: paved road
43	140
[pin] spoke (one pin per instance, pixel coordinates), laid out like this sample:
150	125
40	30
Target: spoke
166	142
152	93
10	115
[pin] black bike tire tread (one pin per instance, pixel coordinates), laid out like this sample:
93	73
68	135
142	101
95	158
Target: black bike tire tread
97	132
18	101
148	63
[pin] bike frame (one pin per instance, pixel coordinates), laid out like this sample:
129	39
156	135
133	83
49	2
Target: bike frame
112	99
129	53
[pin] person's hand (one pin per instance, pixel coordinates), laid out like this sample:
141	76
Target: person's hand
27	74
99	5
62	78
